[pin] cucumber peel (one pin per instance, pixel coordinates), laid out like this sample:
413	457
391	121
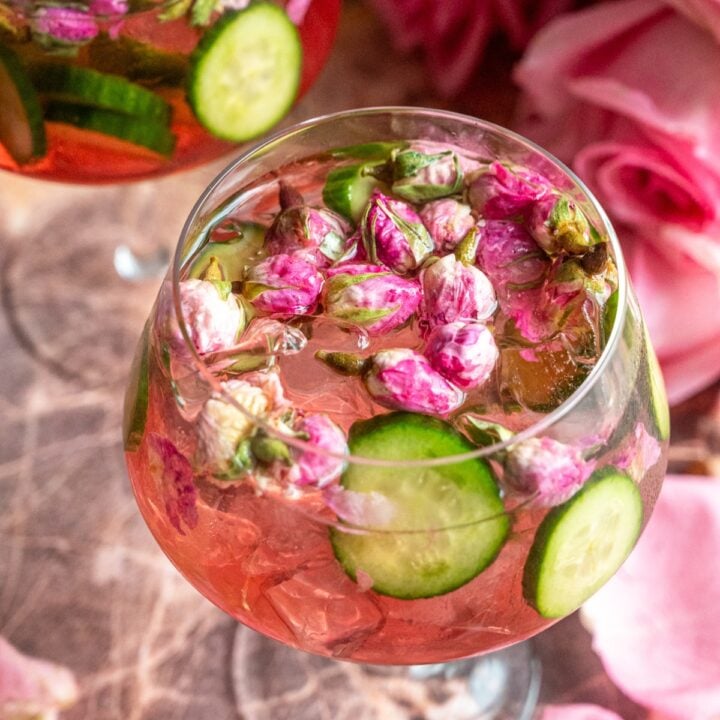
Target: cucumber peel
658	397
581	544
449	522
245	72
150	133
232	256
84	86
348	189
22	131
136	398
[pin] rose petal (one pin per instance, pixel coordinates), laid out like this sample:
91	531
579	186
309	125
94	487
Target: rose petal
577	712
656	624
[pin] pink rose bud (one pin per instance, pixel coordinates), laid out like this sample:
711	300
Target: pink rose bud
318	469
213	317
463	353
283	285
321	234
370	297
500	191
455	291
448	221
64	24
394	235
403	379
560	227
517	268
420	176
546	470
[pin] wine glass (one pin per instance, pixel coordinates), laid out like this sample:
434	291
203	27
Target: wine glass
329	473
105	92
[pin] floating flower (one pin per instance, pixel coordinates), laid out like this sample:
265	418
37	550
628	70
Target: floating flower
448	221
317	468
320	234
370	297
224	431
420	176
213	318
454	291
500	191
394	235
67	25
463	353
560	227
546	470
283	285
403	379
638	453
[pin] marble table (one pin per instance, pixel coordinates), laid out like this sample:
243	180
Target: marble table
81	580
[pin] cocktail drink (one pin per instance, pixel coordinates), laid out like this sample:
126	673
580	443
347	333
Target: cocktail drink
103	91
395	402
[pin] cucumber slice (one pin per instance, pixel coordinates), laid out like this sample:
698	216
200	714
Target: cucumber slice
136	396
658	398
83	86
580	544
148	132
449	522
22	131
348	189
368	151
245	72
609	313
234	255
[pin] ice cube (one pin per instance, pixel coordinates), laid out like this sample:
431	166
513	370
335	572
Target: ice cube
326	610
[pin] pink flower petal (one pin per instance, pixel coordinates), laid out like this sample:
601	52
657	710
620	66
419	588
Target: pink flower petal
577	712
656	624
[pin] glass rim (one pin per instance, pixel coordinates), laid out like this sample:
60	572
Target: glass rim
298	129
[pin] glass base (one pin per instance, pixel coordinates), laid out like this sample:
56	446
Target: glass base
274	682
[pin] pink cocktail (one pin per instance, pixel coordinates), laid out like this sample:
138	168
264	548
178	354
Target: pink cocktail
396	403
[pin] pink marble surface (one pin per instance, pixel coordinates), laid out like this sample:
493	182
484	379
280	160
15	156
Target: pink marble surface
81	580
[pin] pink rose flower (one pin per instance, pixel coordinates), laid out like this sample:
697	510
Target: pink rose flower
548	471
403	379
453	36
448	221
655	623
635	86
455	291
32	688
311	468
283	285
463	353
370	296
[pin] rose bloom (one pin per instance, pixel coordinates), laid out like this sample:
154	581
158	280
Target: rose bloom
636	88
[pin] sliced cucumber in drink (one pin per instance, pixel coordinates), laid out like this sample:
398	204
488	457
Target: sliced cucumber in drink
581	544
150	133
136	397
245	72
22	131
348	189
368	151
449	522
658	398
233	256
84	86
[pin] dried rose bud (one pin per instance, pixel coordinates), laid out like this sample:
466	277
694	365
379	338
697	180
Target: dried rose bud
67	25
317	468
213	317
463	353
517	268
547	471
224	431
420	176
394	235
455	291
403	379
370	297
638	453
283	285
448	221
560	227
321	234
499	191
